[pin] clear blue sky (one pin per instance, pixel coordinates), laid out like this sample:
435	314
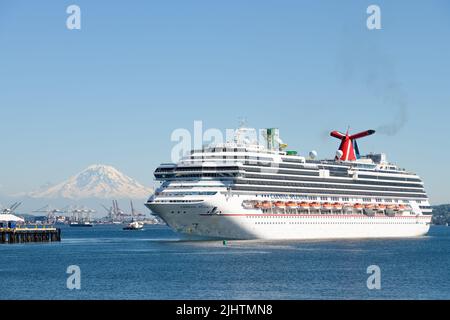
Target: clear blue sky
114	91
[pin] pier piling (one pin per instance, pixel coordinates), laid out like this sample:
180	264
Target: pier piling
29	235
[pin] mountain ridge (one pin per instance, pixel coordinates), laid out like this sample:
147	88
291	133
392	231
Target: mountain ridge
96	181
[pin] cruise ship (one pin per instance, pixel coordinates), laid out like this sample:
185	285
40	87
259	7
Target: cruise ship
249	188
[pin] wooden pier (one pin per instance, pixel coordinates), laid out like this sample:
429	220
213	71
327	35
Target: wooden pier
29	235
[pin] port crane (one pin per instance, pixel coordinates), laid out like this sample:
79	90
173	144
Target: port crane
116	214
11	209
134	212
82	214
50	212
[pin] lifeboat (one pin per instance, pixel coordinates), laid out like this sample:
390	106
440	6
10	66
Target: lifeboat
327	206
358	206
382	207
315	205
402	207
304	205
337	206
348	206
266	205
258	205
291	204
280	204
369	209
390	210
390	207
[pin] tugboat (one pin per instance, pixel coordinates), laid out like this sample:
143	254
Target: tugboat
134	225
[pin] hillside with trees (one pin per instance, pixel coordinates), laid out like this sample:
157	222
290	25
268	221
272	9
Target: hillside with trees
441	214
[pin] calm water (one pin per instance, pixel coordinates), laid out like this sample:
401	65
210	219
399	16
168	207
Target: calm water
157	264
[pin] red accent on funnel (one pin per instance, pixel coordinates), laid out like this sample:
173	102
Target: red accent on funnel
347	143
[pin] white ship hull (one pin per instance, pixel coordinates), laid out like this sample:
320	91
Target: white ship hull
246	224
247	190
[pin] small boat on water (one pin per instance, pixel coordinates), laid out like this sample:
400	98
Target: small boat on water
81	224
135	225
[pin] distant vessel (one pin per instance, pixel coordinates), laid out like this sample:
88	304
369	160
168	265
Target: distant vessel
81	224
81	218
134	225
244	189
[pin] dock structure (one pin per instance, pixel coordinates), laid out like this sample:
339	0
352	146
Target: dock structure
29	235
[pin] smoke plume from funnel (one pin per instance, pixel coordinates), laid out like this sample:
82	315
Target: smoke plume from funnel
360	61
396	125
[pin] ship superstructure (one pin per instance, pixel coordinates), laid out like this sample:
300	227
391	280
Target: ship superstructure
243	189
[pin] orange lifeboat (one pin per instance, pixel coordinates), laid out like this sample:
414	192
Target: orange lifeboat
315	205
369	206
401	207
258	205
390	207
266	205
358	206
327	206
304	205
337	206
291	204
280	204
382	207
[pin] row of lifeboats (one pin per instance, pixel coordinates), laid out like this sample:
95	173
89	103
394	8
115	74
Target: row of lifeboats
324	206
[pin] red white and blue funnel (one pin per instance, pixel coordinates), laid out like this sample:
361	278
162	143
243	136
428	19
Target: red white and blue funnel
349	147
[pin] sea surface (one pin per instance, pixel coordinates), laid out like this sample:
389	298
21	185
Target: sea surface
156	263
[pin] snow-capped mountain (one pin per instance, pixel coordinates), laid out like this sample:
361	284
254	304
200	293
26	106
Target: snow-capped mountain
97	181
